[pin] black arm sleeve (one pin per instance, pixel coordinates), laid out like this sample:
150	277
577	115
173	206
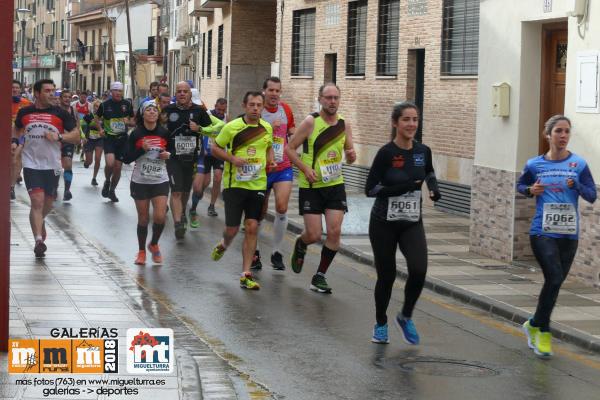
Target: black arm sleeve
430	179
374	187
133	153
375	174
204	119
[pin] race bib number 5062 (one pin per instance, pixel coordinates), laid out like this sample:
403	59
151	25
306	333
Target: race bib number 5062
560	218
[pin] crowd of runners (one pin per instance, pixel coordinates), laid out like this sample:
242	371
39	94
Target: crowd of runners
178	146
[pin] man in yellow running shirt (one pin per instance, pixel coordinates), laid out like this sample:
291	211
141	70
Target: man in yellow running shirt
245	144
326	137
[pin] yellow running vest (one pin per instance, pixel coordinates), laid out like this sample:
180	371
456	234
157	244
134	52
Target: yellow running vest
322	151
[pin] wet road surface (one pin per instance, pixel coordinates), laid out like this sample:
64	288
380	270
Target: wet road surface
304	345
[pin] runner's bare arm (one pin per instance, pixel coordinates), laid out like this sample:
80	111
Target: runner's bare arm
99	125
221	154
73	136
302	133
349	145
271	163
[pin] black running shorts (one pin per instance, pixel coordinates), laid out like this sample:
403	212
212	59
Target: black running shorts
238	201
181	175
317	200
142	191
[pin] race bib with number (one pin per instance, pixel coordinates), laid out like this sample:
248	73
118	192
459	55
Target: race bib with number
405	208
152	168
250	171
331	169
185	145
278	146
560	218
117	126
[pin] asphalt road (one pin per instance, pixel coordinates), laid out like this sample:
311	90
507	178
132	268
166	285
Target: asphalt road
304	345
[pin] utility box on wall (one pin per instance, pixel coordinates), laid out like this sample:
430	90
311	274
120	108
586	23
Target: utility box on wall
501	100
588	82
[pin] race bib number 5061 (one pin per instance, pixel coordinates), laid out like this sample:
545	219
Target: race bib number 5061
405	208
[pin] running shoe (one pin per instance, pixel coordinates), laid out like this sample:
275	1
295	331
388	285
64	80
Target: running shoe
408	329
247	282
140	259
380	334
40	249
67	196
85	165
256	263
319	284
106	189
543	344
297	259
277	261
156	256
113	197
12	193
194	221
179	230
530	332
218	252
211	211
94	182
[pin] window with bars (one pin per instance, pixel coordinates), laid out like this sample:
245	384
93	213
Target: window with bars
356	48
203	52
209	54
303	42
460	37
388	30
220	52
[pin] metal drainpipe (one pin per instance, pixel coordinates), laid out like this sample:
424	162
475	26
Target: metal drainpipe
228	67
281	39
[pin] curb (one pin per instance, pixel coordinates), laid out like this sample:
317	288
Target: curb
190	371
506	311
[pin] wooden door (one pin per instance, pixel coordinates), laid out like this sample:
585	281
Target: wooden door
554	68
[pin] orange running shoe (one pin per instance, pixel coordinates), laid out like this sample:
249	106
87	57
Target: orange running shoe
141	258
156	256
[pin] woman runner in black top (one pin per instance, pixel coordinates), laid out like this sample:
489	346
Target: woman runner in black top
149	181
395	180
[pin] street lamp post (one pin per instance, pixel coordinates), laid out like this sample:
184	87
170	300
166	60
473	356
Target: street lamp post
22	14
104	43
64	61
37	60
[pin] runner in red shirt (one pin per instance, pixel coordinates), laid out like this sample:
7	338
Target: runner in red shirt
281	118
18	102
45	127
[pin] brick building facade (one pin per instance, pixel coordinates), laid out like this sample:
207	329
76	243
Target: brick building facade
236	48
552	69
370	91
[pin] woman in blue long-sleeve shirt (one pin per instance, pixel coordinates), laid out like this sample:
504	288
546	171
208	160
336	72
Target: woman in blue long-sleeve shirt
556	180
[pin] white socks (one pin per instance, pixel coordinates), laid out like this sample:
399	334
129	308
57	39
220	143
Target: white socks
279	228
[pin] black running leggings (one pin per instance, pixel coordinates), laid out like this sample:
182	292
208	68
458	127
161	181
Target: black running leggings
385	238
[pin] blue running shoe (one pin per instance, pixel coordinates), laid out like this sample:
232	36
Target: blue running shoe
408	329
380	334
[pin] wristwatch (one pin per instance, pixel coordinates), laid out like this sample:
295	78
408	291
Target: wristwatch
60	137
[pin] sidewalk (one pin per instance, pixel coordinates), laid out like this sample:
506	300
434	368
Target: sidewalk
78	286
508	290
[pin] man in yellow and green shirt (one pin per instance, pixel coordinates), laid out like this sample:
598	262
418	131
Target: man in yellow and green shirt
245	144
325	138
